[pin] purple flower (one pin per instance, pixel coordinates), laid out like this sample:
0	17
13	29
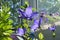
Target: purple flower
40	20
21	12
53	28
24	30
28	13
35	25
20	32
36	21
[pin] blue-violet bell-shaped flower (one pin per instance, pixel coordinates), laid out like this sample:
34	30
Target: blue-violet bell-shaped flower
35	25
20	32
53	28
27	13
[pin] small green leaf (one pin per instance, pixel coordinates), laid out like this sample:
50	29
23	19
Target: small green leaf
6	38
6	34
22	7
26	2
10	21
41	36
34	9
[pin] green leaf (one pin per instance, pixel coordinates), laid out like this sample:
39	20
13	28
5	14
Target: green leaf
7	34
10	21
6	38
40	36
1	25
6	16
7	27
26	2
5	24
34	9
25	25
54	34
22	7
9	31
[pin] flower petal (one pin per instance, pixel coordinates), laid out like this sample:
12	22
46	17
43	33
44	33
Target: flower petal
41	20
36	21
21	12
52	28
20	32
28	11
33	14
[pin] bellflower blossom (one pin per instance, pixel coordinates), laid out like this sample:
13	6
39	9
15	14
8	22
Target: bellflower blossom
28	13
40	20
36	21
53	28
20	32
35	25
